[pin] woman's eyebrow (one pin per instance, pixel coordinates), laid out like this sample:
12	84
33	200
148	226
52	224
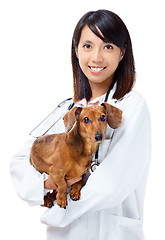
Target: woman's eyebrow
87	41
106	41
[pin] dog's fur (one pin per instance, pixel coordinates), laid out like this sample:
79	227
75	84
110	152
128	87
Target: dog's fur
68	155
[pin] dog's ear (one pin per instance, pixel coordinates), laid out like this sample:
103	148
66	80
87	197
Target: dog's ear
71	117
77	112
114	115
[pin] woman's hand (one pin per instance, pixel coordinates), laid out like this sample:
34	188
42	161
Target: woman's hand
49	184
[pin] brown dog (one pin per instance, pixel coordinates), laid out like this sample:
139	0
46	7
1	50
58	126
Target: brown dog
68	155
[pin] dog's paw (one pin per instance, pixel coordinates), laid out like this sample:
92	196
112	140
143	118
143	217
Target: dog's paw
62	201
48	202
49	199
75	195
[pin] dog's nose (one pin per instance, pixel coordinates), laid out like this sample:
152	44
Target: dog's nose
98	136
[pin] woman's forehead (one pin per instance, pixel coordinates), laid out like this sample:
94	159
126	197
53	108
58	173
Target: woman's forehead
88	36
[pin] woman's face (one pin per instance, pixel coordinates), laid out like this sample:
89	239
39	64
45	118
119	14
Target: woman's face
98	60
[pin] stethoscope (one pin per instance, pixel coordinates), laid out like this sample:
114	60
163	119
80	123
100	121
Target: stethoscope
95	162
32	133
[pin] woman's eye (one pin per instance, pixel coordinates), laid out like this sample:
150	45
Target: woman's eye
86	120
103	118
87	46
109	46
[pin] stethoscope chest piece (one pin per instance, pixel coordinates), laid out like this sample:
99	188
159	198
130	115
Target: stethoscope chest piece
94	165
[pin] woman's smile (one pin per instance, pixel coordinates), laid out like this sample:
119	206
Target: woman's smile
96	70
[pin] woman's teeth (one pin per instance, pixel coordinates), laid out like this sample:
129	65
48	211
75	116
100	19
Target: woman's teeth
96	69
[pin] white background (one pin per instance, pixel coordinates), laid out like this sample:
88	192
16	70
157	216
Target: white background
36	74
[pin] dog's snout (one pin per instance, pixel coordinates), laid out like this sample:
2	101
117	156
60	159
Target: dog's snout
98	136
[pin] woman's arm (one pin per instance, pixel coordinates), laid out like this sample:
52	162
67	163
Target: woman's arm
120	172
28	182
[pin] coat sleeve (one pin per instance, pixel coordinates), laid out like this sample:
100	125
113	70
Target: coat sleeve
28	182
120	172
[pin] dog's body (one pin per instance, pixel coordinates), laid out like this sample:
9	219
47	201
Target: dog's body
68	155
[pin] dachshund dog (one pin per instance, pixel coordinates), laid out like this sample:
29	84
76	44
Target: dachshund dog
68	155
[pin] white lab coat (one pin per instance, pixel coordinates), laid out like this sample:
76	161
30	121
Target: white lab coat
111	204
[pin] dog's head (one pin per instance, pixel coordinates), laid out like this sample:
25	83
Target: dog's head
92	121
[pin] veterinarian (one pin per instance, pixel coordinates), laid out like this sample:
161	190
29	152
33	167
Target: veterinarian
111	204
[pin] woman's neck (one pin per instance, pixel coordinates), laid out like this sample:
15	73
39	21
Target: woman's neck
96	95
100	88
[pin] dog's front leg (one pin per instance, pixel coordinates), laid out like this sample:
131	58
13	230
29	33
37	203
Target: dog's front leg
59	181
75	192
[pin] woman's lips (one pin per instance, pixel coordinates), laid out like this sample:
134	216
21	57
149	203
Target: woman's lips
96	69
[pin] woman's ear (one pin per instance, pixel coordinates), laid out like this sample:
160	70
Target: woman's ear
76	51
122	54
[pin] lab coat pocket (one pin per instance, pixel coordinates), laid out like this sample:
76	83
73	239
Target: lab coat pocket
120	228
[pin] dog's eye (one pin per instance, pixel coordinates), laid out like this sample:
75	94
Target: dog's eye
102	118
86	120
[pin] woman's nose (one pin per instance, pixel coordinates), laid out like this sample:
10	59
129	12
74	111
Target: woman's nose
97	56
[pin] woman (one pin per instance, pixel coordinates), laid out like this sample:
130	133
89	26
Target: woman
111	204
